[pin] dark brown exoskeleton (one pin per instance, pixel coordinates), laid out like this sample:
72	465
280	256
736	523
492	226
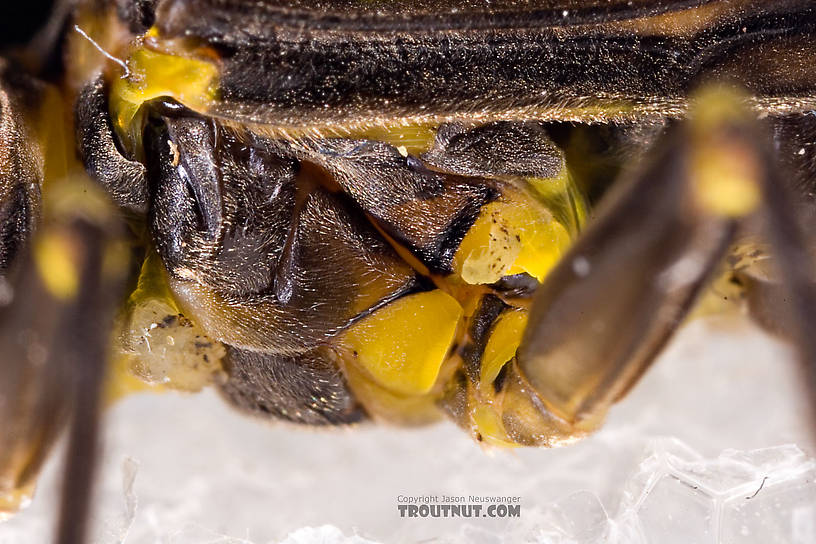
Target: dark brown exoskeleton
365	207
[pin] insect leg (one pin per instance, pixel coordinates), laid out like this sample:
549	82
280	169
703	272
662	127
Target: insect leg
606	311
80	345
794	265
55	340
32	400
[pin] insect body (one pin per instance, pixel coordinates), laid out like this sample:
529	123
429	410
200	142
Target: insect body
361	211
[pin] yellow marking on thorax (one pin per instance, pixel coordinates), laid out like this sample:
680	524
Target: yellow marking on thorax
513	235
505	338
403	345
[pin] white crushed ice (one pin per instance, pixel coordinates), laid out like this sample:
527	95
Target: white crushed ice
713	446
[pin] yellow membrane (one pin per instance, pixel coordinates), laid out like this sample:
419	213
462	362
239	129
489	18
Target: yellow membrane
513	235
193	82
158	347
403	345
560	195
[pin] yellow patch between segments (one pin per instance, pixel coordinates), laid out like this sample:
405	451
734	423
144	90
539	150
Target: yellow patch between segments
159	347
513	235
403	345
502	344
410	139
561	196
